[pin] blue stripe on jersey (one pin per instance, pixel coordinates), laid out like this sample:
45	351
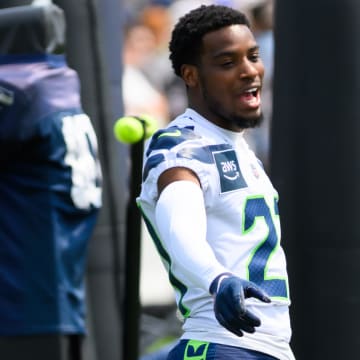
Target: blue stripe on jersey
152	162
166	139
203	154
163	253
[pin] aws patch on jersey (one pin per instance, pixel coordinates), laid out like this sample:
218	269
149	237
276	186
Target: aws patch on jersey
229	170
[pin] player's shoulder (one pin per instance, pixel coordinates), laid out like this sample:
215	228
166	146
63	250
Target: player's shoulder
181	143
170	137
183	131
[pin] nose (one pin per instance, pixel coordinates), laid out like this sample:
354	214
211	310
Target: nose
249	69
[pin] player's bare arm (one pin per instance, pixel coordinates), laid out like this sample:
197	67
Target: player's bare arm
176	174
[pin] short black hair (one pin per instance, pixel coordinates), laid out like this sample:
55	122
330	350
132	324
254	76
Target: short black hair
187	35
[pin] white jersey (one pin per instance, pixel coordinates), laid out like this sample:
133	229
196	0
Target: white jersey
243	229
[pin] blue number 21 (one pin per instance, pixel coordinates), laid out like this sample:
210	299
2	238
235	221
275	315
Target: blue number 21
257	266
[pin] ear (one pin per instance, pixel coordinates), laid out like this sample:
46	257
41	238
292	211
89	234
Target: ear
189	74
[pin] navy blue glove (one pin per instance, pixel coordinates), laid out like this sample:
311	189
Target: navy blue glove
230	308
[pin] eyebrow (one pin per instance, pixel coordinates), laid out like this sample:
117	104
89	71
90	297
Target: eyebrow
222	53
255	48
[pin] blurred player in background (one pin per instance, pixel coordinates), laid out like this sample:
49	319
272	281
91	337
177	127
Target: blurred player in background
208	204
50	187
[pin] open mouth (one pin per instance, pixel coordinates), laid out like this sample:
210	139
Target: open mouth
251	97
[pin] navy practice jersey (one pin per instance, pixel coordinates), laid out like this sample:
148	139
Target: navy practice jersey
50	194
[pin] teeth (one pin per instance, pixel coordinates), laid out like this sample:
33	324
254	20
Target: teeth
251	90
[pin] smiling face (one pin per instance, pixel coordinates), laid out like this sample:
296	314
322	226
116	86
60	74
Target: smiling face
225	85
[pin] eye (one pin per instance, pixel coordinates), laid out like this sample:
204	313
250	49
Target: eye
227	64
254	57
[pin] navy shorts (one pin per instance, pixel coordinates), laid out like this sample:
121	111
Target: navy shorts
202	350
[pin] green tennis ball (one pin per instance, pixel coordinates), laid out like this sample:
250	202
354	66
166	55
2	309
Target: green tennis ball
128	130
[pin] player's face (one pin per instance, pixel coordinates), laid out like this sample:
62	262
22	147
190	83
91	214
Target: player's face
230	77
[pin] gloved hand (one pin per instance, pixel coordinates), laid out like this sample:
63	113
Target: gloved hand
230	293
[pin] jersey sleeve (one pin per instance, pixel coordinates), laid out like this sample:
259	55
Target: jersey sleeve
175	147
